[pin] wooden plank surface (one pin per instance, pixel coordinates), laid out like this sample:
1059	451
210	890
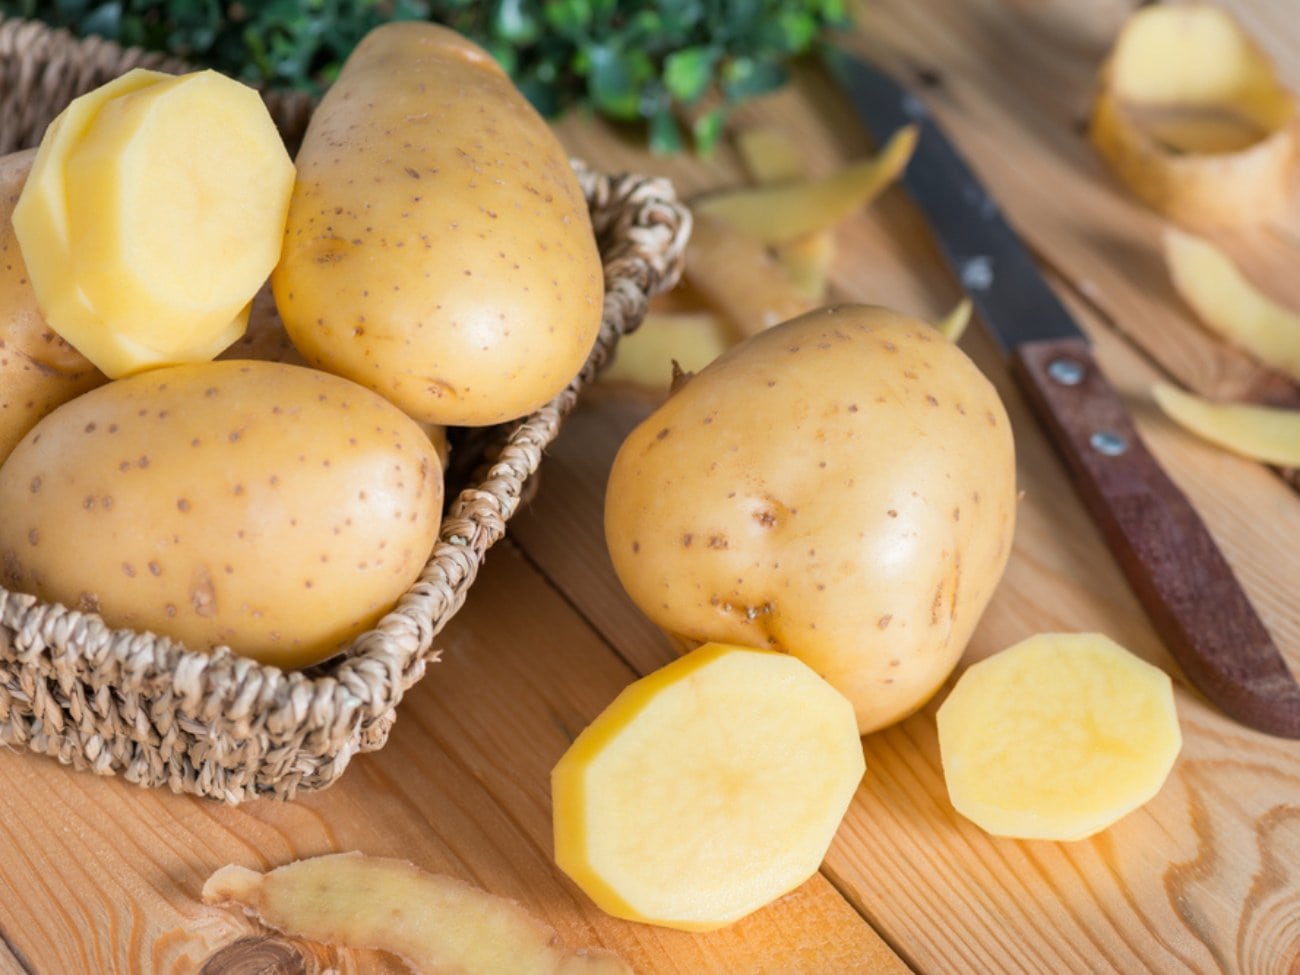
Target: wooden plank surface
99	876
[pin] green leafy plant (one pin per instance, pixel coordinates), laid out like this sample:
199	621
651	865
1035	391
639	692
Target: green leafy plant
656	63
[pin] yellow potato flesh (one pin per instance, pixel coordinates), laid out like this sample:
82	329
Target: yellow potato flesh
177	195
1263	433
1231	306
1191	116
841	487
782	212
707	789
439	248
1057	738
646	357
271	508
154	212
737	275
38	369
435	923
41	220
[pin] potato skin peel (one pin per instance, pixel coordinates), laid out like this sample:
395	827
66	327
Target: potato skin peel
841	487
439	248
1197	189
435	923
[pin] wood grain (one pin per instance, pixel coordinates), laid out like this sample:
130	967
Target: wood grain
111	874
97	876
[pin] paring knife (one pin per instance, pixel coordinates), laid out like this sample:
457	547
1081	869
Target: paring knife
1182	579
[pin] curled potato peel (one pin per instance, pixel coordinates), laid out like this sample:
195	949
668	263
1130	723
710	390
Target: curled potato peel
1266	433
1230	305
1191	117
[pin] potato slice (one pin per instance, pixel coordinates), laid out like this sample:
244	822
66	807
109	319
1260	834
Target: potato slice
784	212
646	357
1230	305
1264	433
1191	117
707	789
435	923
739	276
1057	737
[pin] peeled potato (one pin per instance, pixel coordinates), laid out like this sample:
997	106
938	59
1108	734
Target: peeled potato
38	370
438	925
707	789
1191	117
41	221
154	213
1230	305
1263	433
1058	737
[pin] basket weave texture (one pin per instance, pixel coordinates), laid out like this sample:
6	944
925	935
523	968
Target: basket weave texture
217	724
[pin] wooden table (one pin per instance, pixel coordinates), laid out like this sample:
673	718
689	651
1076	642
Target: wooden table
99	876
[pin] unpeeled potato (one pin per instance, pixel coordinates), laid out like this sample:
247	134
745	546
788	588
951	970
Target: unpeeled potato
271	508
841	487
438	248
38	369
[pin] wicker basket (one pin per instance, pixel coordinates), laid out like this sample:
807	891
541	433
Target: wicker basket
220	725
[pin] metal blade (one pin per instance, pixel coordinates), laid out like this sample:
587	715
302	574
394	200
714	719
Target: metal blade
985	253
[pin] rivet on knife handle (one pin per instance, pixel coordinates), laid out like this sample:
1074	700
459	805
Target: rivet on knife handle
1187	587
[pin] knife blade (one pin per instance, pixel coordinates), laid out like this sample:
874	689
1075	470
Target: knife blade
1182	579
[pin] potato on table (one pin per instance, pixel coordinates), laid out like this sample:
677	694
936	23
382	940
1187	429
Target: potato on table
438	249
840	487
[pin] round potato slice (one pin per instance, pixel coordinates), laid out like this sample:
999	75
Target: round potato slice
707	789
1058	737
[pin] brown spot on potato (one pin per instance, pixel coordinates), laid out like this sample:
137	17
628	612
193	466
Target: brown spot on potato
687	539
35	485
33	537
636	547
183	505
203	594
884	621
154	568
128	570
88	602
718	541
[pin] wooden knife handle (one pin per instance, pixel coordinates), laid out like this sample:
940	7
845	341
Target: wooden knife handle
1173	564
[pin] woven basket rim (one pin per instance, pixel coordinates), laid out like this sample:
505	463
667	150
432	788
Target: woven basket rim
70	659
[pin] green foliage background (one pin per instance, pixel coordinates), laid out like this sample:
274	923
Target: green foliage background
654	62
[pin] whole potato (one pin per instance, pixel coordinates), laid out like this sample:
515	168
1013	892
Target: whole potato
269	507
841	487
438	247
38	369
